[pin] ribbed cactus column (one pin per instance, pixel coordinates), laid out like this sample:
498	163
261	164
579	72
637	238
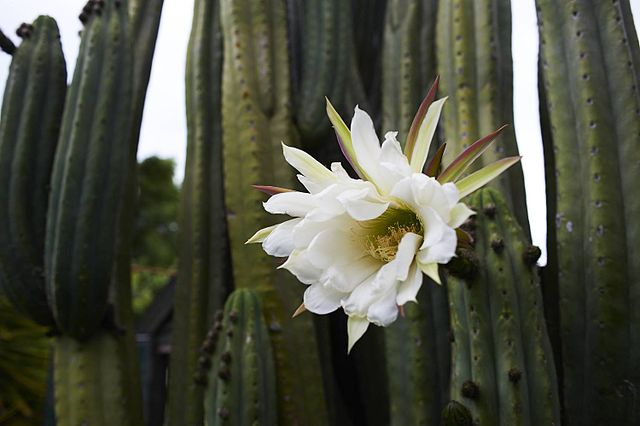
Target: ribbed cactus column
417	346
502	363
474	63
241	385
408	61
31	111
590	66
88	174
256	118
204	276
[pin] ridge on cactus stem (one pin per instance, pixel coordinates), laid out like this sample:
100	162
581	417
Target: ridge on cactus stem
363	244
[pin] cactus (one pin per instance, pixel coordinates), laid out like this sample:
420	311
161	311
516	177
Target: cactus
474	61
590	65
417	347
502	363
89	173
204	275
241	385
90	382
409	28
31	111
325	36
256	118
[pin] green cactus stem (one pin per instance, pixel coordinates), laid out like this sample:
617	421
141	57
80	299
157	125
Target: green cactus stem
502	362
475	67
90	382
589	67
204	277
89	173
31	110
241	384
256	118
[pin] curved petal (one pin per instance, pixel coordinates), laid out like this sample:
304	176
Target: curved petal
306	164
291	203
356	327
299	265
320	299
408	289
442	251
360	205
261	234
385	310
279	243
459	214
365	141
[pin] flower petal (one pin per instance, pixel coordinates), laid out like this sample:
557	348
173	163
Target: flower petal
361	205
260	236
307	165
425	135
442	251
279	243
385	310
408	289
356	327
431	270
365	141
321	300
459	214
299	265
291	203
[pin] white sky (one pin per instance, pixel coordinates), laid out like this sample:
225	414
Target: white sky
164	124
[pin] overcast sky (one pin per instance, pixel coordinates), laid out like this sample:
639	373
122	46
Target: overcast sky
164	125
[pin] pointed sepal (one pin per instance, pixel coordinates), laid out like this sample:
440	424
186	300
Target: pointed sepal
485	175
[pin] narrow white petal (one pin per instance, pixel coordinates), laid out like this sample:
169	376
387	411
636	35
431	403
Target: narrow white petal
434	226
259	236
338	170
279	243
459	213
406	254
306	164
299	265
321	300
442	251
452	193
365	141
356	327
408	289
431	270
346	274
292	203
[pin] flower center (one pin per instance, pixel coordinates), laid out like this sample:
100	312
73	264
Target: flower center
384	233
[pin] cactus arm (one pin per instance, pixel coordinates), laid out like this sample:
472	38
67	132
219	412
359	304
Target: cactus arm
6	45
88	175
31	111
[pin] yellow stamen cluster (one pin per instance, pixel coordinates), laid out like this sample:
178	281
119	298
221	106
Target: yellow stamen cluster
384	247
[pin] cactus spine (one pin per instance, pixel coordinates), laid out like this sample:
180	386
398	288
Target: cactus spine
89	174
204	276
256	118
502	363
474	62
590	64
241	386
31	111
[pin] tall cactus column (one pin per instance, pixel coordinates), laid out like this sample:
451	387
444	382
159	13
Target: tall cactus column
204	271
502	363
417	346
256	117
474	62
590	66
31	111
87	189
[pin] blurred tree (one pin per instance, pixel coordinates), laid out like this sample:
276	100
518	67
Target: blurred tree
155	239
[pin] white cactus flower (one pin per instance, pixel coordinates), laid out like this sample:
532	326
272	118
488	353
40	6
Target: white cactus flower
363	244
